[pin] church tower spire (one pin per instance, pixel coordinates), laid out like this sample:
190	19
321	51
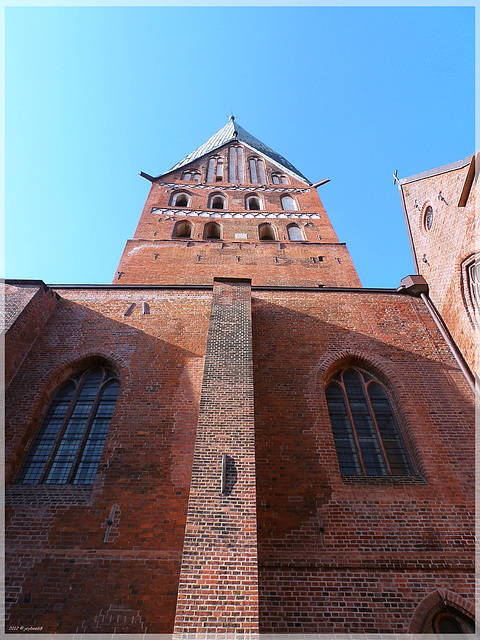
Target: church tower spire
234	207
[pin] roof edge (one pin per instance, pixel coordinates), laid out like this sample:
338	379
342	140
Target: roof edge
459	164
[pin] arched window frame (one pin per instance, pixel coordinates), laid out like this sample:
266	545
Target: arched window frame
279	178
212	198
253	197
191	176
179	226
287	197
349	432
215	169
270	227
177	195
470	270
69	443
207	230
291	226
256	170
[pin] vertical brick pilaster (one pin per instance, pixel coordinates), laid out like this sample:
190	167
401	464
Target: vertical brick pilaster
218	590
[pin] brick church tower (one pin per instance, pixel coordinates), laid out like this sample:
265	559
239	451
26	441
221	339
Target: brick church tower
235	436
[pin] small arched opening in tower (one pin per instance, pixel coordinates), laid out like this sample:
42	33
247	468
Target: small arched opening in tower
266	232
253	203
217	202
180	199
294	233
288	203
182	229
212	231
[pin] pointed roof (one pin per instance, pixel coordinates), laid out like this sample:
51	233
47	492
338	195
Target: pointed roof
234	132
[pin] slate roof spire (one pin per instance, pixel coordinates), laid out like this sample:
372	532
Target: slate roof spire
232	131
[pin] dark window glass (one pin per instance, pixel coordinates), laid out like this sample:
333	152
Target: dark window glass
69	444
365	432
428	218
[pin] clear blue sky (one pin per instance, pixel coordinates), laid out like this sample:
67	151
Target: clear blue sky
95	95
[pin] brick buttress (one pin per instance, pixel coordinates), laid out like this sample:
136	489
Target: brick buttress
218	588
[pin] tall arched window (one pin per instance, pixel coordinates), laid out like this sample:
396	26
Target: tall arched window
266	231
182	229
257	171
212	231
70	441
288	203
215	169
294	232
367	438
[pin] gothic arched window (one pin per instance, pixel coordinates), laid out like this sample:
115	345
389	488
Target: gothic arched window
257	171
366	435
294	232
215	169
69	443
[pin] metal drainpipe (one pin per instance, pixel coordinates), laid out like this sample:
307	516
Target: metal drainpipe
417	286
448	339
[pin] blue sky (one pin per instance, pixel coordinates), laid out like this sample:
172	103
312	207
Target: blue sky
96	95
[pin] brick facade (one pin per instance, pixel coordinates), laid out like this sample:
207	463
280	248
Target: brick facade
444	252
218	505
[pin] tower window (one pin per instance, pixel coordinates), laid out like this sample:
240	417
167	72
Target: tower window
212	231
253	203
70	441
190	176
288	203
217	202
294	232
367	438
266	231
428	218
180	199
257	171
182	229
215	169
279	178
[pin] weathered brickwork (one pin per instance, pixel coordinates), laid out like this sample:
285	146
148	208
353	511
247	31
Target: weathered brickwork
55	533
156	255
218	505
27	308
218	588
445	251
361	554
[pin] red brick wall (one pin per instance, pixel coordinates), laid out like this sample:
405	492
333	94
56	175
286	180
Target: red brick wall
386	543
154	257
55	534
27	308
443	251
218	589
